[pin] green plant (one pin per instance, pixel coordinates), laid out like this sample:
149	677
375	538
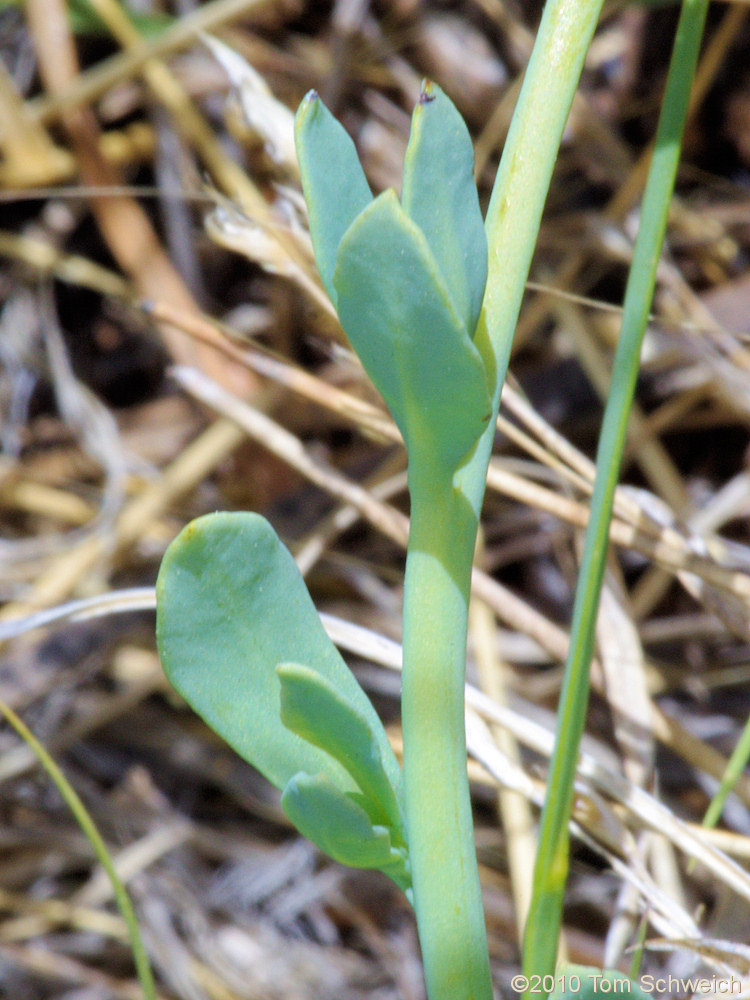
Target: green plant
237	632
407	278
82	816
429	304
552	859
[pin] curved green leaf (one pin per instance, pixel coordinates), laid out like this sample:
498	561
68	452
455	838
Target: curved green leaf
396	311
315	710
440	195
334	184
231	605
340	827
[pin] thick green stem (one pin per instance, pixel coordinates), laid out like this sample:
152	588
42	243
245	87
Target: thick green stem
441	842
444	523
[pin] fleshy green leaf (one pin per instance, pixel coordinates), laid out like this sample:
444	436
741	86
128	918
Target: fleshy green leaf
586	982
440	195
231	605
338	826
334	184
396	311
314	709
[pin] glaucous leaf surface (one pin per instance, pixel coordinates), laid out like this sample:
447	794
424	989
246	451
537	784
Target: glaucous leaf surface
440	195
334	184
407	278
399	317
231	606
313	708
340	827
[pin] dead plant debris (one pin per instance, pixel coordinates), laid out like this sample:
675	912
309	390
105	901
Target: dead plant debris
166	349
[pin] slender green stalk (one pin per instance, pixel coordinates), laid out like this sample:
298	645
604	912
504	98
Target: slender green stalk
86	823
735	767
520	191
540	946
447	895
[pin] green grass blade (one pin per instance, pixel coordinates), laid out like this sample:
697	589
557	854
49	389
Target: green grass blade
87	825
732	774
540	946
519	193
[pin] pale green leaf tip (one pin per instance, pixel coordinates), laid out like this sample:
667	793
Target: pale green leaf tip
307	105
426	92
